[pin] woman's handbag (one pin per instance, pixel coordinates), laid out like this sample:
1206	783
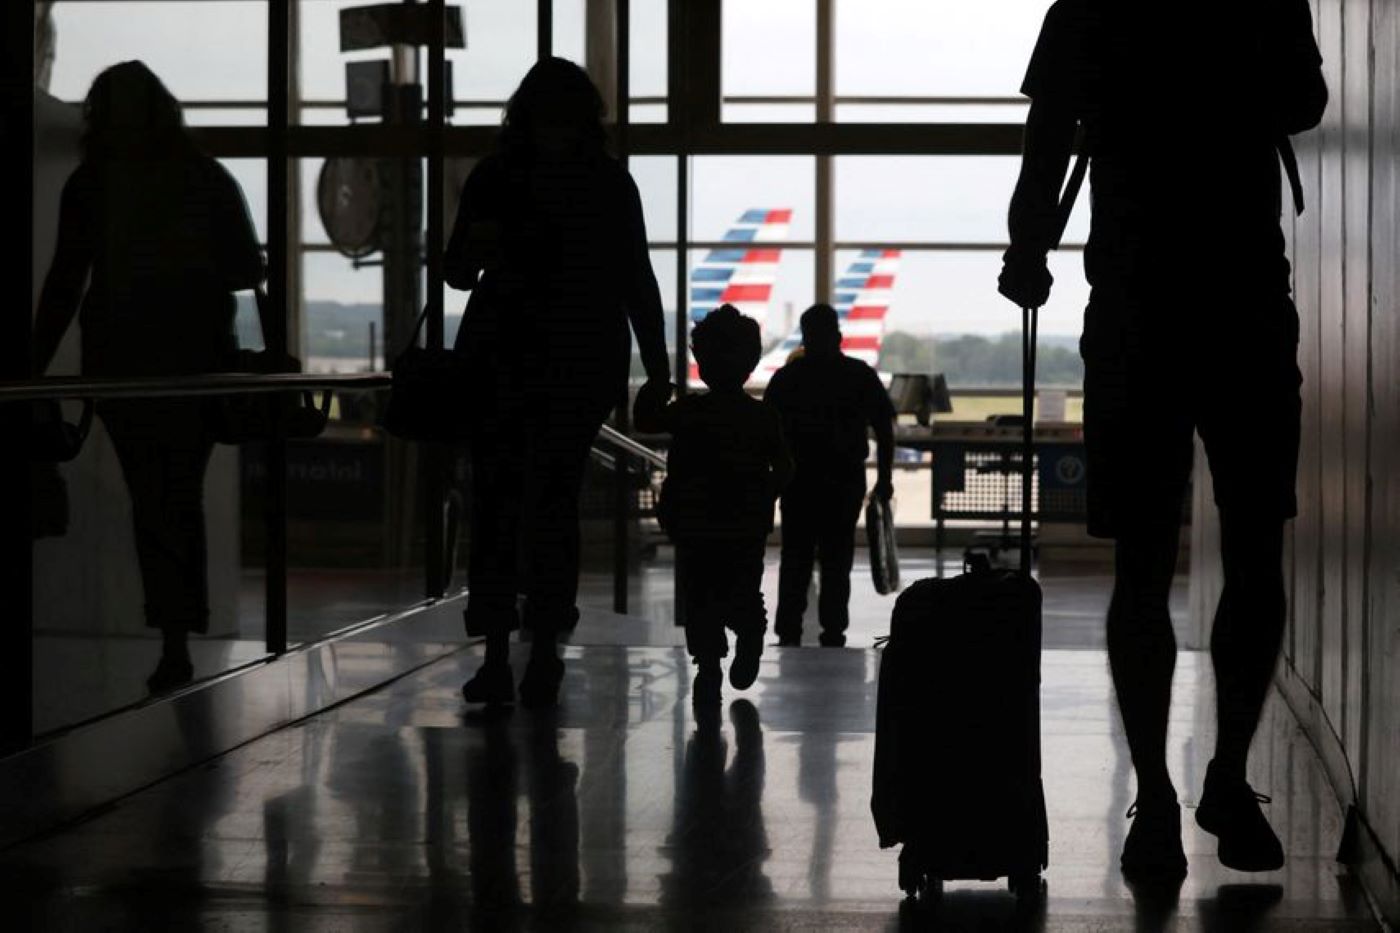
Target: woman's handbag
258	416
52	440
428	399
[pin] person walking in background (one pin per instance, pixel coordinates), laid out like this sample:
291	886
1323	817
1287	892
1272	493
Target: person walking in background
828	402
727	463
1185	118
160	235
549	239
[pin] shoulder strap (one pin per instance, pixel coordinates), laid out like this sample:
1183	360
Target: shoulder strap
417	328
1071	192
1290	168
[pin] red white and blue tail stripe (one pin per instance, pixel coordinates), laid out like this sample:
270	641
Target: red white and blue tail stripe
742	274
862	301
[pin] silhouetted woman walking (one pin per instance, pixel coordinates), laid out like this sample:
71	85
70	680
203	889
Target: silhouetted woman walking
549	237
164	234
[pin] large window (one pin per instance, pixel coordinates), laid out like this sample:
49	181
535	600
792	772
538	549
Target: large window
769	61
211	54
500	37
944	63
855	140
947	216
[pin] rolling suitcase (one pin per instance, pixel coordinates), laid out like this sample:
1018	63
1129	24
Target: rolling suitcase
957	745
957	737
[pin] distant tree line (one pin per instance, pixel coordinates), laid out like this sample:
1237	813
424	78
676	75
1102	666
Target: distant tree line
342	330
971	360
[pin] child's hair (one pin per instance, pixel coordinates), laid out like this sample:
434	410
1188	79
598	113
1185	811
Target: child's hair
727	346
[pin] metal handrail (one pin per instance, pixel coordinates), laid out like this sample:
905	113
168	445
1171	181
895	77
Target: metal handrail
653	100
79	387
85	387
623	442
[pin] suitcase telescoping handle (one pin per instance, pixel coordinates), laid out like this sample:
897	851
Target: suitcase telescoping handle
1030	319
1029	322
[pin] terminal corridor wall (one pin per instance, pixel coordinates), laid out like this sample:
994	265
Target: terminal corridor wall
1341	666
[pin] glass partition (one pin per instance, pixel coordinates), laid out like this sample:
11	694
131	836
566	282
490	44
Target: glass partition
147	251
810	210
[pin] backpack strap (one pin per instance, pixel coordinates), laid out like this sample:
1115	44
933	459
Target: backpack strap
1290	168
1071	192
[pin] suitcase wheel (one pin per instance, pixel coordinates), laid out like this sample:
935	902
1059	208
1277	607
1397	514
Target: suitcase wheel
911	874
914	879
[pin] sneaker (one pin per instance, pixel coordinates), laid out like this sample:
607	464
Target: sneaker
539	687
491	684
743	670
1229	810
705	693
1152	852
789	641
170	674
833	640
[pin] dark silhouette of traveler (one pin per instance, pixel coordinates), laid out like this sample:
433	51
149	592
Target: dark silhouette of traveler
828	402
718	842
550	240
727	463
160	235
491	778
1190	325
499	767
818	726
375	779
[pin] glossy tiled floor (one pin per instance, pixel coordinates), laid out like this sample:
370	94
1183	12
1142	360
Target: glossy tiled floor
400	811
86	675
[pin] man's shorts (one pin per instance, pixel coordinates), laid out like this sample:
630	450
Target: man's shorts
1155	371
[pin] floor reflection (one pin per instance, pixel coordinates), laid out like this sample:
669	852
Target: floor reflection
502	766
718	843
622	811
818	778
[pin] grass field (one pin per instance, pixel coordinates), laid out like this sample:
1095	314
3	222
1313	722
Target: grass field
980	407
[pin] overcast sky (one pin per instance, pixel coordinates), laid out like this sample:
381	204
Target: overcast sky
217	51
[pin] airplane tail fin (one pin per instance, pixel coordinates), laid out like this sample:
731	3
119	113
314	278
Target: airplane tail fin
862	301
741	274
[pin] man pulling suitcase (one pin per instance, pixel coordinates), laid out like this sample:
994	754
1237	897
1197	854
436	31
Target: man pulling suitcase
1185	117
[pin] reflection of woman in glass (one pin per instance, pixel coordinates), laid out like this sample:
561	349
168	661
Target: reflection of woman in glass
160	234
549	238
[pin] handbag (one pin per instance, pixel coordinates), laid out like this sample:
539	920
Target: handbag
884	555
52	440
247	418
428	394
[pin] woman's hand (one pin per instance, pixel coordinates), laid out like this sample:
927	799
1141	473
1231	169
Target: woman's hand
648	411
